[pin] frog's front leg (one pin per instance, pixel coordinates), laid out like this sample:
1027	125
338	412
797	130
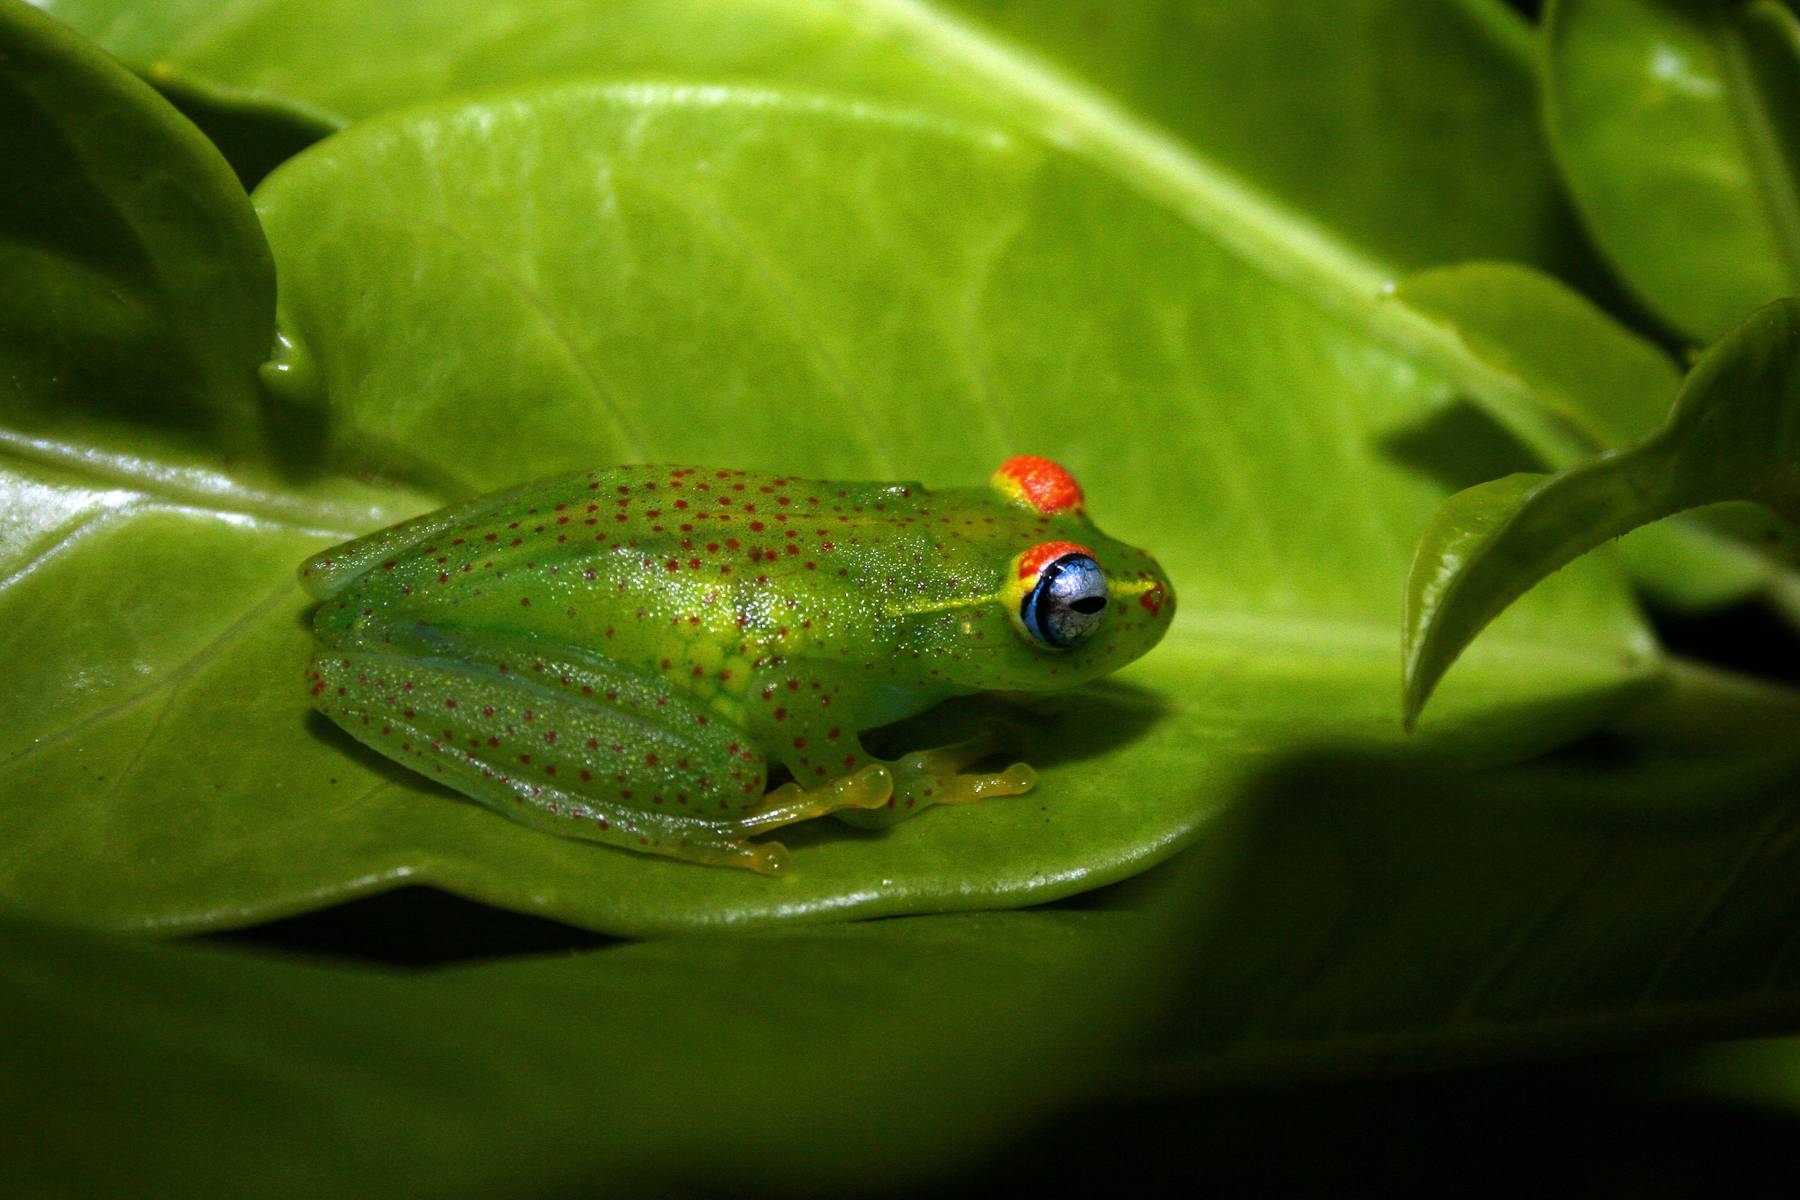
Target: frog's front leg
807	727
936	776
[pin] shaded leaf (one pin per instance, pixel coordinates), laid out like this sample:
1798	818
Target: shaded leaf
139	295
1678	128
1370	137
793	1063
1734	434
1571	380
1357	915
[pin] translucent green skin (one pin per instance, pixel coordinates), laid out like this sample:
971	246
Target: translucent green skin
619	654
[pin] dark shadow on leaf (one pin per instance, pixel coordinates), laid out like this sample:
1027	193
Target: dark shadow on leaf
254	135
361	757
1748	637
1045	730
413	927
1459	446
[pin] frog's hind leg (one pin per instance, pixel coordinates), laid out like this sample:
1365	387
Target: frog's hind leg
328	572
554	738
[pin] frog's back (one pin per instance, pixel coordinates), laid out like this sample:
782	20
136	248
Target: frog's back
649	500
330	572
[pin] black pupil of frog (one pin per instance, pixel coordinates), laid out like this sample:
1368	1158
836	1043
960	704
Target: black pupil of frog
1089	604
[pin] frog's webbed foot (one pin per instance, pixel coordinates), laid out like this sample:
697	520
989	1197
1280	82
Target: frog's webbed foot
927	777
935	776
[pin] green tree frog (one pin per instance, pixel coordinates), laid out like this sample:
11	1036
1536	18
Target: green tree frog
622	654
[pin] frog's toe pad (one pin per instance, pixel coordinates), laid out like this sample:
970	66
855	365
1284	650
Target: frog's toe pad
764	858
1016	780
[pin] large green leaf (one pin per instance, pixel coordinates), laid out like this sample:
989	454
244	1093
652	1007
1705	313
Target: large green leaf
1734	434
1677	123
591	273
272	74
138	289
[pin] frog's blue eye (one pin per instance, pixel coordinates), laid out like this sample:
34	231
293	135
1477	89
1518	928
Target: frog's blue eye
1064	607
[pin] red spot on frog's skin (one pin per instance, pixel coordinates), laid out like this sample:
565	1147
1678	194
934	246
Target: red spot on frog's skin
1038	482
1152	600
1033	560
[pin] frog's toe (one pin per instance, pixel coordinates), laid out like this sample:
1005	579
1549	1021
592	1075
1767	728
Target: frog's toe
764	858
870	787
1016	780
916	789
948	760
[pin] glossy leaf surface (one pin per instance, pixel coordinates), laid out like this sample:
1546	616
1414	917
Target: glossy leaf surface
479	293
1678	127
1734	434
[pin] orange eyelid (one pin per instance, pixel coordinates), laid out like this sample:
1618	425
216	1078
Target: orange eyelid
1033	560
1039	483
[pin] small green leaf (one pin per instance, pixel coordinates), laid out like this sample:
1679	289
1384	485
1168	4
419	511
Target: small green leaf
1734	434
1568	381
139	294
1678	128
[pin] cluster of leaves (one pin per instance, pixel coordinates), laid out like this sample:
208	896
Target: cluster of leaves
1215	258
1677	127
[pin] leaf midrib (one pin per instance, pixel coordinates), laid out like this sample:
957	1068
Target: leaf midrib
1242	219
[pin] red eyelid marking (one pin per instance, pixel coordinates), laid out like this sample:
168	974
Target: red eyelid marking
1039	482
1033	560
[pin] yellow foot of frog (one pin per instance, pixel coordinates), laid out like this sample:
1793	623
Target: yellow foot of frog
935	776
